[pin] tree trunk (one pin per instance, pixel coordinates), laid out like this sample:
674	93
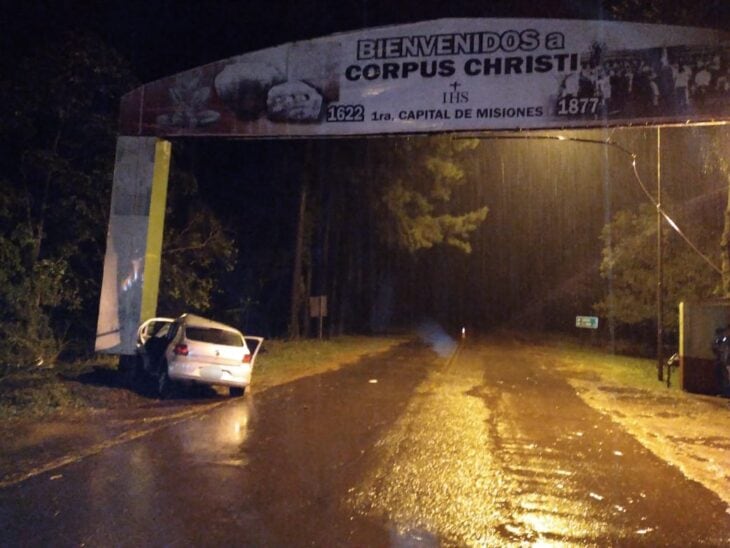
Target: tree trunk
296	284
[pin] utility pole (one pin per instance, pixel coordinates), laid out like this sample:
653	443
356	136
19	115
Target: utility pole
659	259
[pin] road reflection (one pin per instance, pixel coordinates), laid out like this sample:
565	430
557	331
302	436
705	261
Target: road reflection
220	435
461	471
198	459
438	471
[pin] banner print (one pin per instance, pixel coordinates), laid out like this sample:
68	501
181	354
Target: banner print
447	75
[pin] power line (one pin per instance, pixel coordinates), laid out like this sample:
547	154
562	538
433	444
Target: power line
608	142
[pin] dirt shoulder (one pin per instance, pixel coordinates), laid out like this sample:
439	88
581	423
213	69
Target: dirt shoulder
53	417
691	432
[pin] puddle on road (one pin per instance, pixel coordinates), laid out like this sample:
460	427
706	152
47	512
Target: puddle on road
215	440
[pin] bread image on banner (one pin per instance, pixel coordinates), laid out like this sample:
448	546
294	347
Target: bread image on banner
293	87
244	86
294	102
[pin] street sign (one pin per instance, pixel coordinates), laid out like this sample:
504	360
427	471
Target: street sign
586	322
318	306
318	309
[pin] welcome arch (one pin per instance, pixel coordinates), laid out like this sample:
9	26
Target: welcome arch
447	75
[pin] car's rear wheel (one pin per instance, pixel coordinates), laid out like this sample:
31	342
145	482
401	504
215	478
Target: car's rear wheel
236	391
164	383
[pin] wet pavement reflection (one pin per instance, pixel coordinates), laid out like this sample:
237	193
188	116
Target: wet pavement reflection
488	449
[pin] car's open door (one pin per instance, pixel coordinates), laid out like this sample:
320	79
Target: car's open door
150	327
254	345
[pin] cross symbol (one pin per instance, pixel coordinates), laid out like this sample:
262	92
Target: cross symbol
454	86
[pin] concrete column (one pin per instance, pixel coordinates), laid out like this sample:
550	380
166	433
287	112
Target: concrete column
134	242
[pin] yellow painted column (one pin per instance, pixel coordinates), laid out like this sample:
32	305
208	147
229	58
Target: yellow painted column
155	230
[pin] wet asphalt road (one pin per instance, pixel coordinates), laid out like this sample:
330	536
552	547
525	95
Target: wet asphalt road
489	449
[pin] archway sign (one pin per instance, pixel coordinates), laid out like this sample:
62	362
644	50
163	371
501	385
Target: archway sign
436	76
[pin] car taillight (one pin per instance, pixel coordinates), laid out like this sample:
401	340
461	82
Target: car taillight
180	350
247	358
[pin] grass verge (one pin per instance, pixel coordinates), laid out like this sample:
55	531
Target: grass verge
613	368
285	361
37	392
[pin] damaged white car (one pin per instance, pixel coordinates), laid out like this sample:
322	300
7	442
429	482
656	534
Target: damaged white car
191	349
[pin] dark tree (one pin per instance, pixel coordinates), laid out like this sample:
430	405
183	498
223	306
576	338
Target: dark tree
58	104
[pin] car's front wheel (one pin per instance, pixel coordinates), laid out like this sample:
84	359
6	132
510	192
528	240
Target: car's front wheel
127	365
236	391
136	374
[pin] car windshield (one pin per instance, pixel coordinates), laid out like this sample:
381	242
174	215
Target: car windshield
214	336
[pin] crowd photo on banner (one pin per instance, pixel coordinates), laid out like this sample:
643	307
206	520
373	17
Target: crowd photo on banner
653	82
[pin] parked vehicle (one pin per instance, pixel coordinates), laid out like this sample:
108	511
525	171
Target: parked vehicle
191	349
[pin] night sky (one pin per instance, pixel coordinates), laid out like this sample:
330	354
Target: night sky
162	37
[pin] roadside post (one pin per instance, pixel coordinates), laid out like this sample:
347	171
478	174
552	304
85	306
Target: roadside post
318	309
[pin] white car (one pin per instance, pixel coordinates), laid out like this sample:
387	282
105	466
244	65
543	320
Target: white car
191	349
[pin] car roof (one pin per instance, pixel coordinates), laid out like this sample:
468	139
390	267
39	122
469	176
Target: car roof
193	320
